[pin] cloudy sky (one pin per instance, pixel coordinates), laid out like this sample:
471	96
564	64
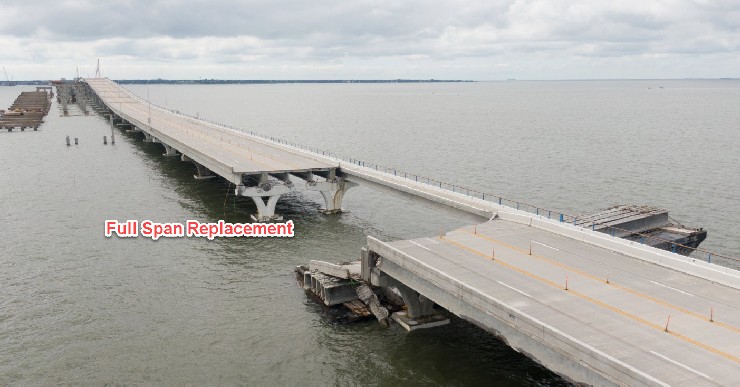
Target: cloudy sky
366	39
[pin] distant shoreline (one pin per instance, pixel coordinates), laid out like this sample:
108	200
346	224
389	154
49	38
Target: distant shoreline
327	81
274	81
248	81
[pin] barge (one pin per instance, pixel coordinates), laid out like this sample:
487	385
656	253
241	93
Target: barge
645	224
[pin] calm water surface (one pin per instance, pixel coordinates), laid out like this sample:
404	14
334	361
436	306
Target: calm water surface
82	309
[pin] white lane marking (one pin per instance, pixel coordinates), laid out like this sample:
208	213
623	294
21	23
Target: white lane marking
542	244
515	289
680	364
456	282
432	240
678	290
420	246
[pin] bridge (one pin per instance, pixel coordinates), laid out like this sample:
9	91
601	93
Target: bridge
590	306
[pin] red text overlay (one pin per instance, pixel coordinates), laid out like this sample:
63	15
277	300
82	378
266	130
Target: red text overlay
193	228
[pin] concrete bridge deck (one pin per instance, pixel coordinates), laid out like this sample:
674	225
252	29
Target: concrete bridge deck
609	326
246	161
235	151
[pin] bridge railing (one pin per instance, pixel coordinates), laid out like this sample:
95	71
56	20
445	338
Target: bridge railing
519	205
562	217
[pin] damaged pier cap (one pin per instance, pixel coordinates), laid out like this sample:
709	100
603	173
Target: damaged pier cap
365	292
340	285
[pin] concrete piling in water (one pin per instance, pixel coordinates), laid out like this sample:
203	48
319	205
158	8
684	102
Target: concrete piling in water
112	125
68	141
76	143
105	140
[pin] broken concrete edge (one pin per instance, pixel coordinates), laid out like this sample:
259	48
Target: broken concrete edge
343	270
363	300
368	296
329	268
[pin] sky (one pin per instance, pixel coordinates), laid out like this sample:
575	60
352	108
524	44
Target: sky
366	39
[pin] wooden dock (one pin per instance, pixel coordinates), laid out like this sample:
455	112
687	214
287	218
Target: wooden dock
27	111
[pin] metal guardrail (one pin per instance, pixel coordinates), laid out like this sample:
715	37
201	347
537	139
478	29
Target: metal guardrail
522	206
537	210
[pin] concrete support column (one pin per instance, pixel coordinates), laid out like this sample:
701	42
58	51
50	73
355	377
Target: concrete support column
83	106
266	208
203	172
419	311
333	193
148	137
265	195
169	151
112	132
417	305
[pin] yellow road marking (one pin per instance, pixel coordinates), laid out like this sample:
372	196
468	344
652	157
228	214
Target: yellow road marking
599	279
594	301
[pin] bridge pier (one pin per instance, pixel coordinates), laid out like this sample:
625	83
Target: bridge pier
333	196
169	151
148	137
203	172
266	208
419	311
266	194
332	190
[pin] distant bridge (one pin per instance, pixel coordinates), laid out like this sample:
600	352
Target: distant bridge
593	307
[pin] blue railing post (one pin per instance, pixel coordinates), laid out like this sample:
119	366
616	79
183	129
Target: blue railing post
499	201
484	196
709	258
561	218
517	205
642	240
593	226
673	248
574	221
548	214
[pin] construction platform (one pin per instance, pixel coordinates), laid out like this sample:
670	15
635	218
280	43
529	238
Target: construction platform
27	111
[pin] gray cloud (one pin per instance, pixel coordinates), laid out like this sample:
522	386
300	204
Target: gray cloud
373	38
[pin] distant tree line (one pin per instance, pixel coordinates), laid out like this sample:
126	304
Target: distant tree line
259	81
15	83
